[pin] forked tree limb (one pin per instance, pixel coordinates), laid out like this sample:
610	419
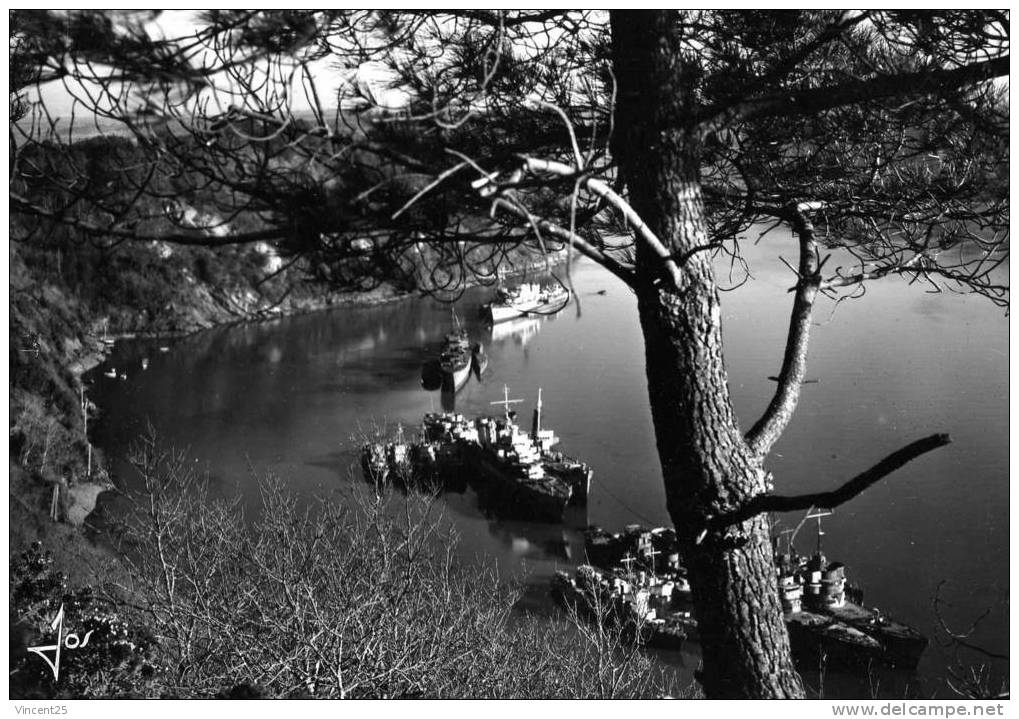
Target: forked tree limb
564	235
766	431
602	190
488	186
828	500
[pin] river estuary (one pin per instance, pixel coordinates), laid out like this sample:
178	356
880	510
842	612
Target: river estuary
288	396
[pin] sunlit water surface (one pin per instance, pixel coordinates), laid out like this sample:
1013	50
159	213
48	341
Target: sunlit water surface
290	397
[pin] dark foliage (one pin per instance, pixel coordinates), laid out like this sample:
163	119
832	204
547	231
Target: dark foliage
112	655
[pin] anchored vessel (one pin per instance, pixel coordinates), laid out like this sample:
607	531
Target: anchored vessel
528	299
432	464
649	607
576	474
507	469
813	633
814	590
655	550
457	356
821	615
455	360
516	474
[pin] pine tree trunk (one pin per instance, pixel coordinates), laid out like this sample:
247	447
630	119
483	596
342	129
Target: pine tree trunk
706	463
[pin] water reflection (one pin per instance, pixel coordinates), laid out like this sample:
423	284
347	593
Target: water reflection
519	331
483	336
526	540
291	396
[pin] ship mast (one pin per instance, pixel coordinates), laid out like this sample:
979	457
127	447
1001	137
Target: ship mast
820	532
506	401
653	553
789	534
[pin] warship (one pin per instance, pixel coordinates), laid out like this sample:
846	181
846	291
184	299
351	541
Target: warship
528	299
506	468
516	474
455	360
572	471
824	616
431	465
813	584
647	607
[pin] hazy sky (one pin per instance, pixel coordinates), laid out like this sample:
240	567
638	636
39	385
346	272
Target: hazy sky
59	96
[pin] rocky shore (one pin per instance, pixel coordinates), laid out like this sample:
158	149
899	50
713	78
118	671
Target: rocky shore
57	337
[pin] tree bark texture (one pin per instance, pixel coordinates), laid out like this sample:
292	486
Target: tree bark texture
707	466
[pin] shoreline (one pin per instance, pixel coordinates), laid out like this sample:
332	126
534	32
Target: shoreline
331	302
93	358
77	346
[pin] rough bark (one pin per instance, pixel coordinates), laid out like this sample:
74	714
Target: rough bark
707	466
770	426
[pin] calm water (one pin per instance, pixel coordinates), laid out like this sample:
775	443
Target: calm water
289	396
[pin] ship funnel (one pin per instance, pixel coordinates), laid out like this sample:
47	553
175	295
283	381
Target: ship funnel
536	418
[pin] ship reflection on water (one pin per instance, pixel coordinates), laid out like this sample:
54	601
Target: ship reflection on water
533	541
519	331
289	396
435	377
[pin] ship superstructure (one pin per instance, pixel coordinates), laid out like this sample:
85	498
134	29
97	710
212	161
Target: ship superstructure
516	473
649	607
816	586
527	299
823	614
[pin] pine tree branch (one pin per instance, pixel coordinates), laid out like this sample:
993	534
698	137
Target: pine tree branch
564	235
776	503
602	190
766	431
196	239
815	100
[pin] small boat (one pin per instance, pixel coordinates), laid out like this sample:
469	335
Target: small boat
111	373
525	300
374	462
106	339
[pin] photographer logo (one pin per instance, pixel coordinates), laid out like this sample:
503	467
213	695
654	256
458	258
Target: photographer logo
71	641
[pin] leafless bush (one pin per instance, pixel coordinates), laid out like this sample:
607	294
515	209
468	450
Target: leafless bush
974	671
355	598
610	647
